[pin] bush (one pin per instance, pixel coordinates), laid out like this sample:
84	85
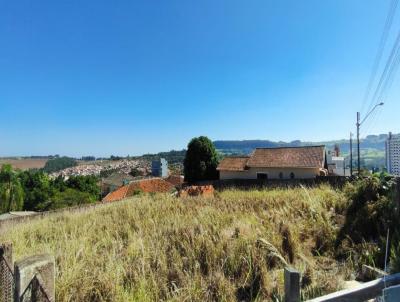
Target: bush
88	184
68	198
372	212
135	172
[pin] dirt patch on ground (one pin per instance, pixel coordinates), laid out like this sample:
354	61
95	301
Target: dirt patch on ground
24	164
205	191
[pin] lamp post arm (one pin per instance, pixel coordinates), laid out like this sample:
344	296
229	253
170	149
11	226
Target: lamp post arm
369	113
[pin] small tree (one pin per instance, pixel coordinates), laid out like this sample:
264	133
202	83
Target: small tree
135	172
201	160
11	192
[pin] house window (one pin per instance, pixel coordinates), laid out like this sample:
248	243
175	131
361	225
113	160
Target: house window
291	175
280	175
262	176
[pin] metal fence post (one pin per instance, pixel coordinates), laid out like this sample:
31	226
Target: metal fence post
6	272
35	279
292	285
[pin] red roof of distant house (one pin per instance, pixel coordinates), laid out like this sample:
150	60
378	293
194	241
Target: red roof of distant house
118	194
152	185
237	163
155	185
298	157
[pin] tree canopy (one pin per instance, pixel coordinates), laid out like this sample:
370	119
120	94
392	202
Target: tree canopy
34	190
201	160
57	164
11	192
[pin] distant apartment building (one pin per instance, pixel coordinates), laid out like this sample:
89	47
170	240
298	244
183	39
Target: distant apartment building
393	154
159	168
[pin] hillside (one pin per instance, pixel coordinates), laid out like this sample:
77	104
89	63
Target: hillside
372	147
160	248
24	163
376	142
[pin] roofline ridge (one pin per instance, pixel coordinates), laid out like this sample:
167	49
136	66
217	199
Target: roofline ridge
288	147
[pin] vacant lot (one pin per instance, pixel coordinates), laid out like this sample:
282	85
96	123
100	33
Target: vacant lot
232	247
24	164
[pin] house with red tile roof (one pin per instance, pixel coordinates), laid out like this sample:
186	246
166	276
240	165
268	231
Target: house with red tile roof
149	185
276	163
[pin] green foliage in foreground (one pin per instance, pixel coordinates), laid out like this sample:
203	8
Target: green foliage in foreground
35	190
59	163
372	211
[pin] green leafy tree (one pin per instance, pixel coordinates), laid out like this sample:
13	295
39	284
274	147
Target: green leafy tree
201	160
11	192
88	184
38	189
68	198
59	163
135	172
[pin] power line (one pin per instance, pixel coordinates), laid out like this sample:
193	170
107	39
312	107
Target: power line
384	92
382	43
387	70
372	121
391	75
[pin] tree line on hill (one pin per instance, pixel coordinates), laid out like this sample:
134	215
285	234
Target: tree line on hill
58	164
34	190
376	142
372	148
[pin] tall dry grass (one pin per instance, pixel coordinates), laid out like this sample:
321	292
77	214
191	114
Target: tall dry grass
161	248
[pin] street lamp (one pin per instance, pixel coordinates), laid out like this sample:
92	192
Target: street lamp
358	124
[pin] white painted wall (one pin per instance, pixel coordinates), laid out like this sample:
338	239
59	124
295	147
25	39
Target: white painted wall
273	173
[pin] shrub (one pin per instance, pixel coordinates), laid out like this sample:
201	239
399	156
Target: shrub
371	213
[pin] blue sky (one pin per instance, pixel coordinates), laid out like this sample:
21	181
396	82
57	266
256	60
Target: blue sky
129	77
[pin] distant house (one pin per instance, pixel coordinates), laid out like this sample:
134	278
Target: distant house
114	181
159	168
276	163
336	164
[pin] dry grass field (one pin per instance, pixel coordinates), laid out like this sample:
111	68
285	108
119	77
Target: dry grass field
24	163
232	247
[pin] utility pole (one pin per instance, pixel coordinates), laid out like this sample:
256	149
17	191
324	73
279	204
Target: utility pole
358	144
351	154
358	124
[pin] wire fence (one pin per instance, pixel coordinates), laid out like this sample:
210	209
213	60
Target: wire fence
35	292
7	284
